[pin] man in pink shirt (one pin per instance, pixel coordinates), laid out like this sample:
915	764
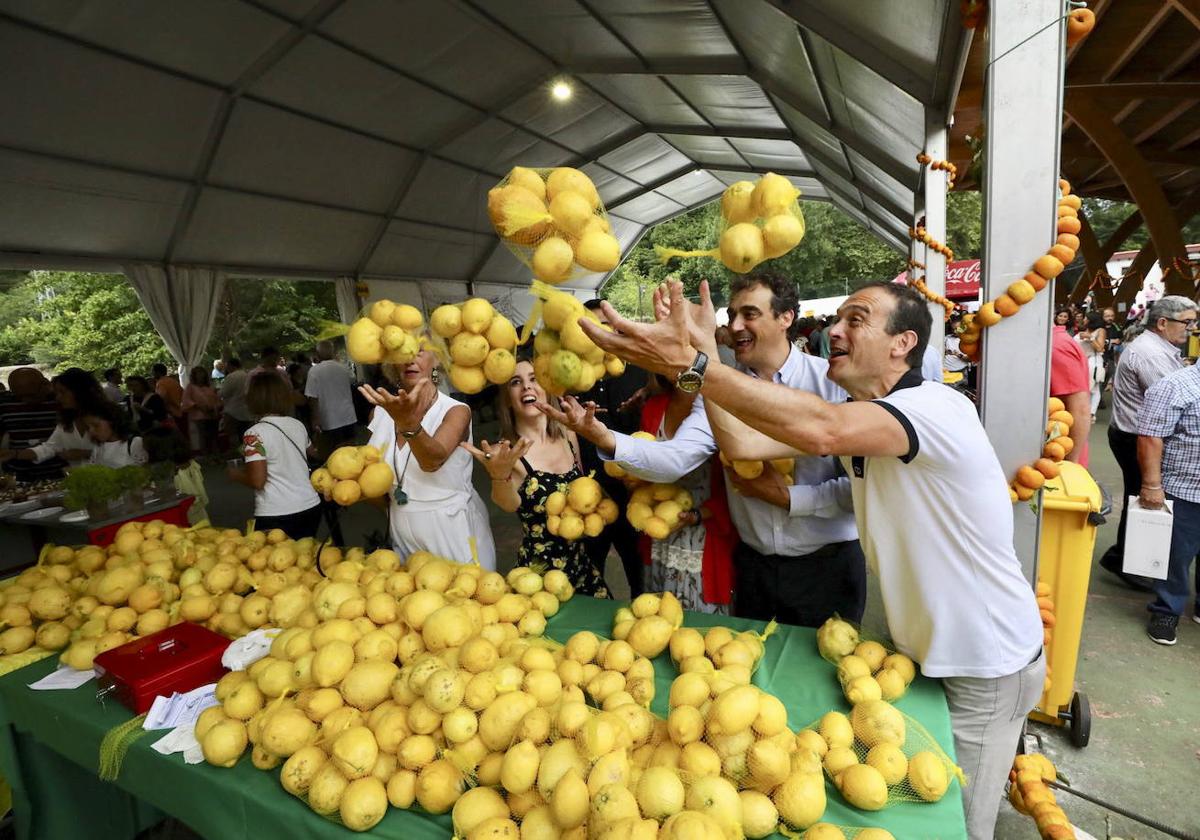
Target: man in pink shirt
1070	382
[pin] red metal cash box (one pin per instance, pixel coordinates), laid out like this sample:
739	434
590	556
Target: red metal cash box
180	658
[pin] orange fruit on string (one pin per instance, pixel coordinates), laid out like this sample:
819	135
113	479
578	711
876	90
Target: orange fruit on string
1048	266
1068	224
1022	292
1064	417
1068	239
1071	201
1064	186
987	314
1079	24
1023	493
1062	253
1036	280
1012	497
1046	467
1055	404
1030	477
1066	210
1006	306
1053	451
968	348
1066	443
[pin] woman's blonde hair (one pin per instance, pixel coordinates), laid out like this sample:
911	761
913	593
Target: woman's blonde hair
508	416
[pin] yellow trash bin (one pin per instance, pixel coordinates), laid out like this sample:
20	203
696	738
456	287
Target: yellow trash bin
1069	505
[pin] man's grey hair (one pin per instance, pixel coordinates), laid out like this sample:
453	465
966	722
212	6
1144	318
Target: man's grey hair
1167	307
324	350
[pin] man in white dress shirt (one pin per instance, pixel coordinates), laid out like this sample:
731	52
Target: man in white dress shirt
799	559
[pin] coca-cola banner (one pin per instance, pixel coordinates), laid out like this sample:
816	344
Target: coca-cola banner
962	280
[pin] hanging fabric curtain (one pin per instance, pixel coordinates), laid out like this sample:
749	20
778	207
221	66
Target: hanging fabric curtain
182	305
345	289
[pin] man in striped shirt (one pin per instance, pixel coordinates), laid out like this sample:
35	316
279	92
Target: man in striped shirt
1169	454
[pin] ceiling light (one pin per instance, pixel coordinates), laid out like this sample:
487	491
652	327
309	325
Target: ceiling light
561	91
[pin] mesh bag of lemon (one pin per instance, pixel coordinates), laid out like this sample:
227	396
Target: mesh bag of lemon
565	358
829	831
867	668
579	509
554	222
475	343
352	473
655	508
385	331
760	220
877	755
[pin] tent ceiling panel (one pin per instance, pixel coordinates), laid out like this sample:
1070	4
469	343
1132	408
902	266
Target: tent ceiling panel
496	146
647	98
230	227
581	123
729	100
89	111
417	250
271	150
447	194
710	149
654	29
295	127
212	40
693	188
645	159
440	42
323	79
564	30
55	206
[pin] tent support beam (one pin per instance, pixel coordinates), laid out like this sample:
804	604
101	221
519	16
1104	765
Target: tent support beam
937	134
402	189
1023	107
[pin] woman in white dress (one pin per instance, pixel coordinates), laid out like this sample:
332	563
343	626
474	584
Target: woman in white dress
1092	339
433	505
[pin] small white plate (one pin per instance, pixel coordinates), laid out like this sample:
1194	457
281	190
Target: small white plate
44	513
74	516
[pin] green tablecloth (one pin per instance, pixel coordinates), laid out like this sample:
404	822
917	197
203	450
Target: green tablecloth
49	750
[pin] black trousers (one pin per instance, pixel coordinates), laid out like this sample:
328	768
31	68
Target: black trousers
330	439
295	525
621	536
1124	449
804	590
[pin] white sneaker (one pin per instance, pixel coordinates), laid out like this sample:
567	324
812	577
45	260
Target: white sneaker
1196	618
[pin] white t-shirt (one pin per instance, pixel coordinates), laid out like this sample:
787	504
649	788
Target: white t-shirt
62	439
281	442
330	382
937	528
119	453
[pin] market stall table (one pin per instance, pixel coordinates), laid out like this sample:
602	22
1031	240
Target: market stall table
50	740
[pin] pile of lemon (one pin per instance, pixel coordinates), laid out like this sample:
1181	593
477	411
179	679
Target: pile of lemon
389	333
352	473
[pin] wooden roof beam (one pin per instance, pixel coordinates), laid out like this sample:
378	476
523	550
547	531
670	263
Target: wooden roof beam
1135	44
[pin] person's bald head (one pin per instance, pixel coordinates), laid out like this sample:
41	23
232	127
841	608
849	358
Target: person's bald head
324	350
28	384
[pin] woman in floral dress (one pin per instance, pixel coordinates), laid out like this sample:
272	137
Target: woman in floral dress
534	458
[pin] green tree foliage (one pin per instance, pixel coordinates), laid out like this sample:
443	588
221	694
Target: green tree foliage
837	255
95	321
1106	216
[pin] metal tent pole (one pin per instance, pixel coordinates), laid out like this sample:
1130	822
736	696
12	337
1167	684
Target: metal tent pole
1023	115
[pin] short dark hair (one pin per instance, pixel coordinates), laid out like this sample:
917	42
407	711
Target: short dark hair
269	353
159	369
1095	319
268	393
122	425
592	304
111	373
199	376
785	297
910	313
233	364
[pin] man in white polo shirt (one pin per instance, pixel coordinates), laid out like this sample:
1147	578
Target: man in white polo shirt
930	499
329	389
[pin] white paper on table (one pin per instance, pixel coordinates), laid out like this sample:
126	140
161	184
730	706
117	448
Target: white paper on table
244	652
181	739
62	679
180	709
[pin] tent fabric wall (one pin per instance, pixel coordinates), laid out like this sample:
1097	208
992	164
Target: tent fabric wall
346	291
182	305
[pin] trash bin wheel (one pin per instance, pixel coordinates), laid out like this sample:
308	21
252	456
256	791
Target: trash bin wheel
1081	720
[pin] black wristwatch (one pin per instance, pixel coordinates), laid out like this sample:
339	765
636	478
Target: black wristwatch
691	379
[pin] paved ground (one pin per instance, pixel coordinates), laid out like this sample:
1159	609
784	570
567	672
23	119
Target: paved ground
1145	745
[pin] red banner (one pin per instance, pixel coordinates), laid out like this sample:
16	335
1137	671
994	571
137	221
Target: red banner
962	280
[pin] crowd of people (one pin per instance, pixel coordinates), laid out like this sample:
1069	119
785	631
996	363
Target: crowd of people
875	463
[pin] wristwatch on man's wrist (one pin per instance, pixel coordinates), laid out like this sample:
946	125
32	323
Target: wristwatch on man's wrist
691	378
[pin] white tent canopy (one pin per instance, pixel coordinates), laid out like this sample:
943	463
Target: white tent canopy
328	138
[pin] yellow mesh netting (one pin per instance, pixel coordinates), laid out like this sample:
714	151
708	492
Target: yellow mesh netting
553	221
116	744
877	755
759	221
829	831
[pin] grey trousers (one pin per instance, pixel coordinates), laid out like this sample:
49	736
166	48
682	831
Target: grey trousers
986	715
